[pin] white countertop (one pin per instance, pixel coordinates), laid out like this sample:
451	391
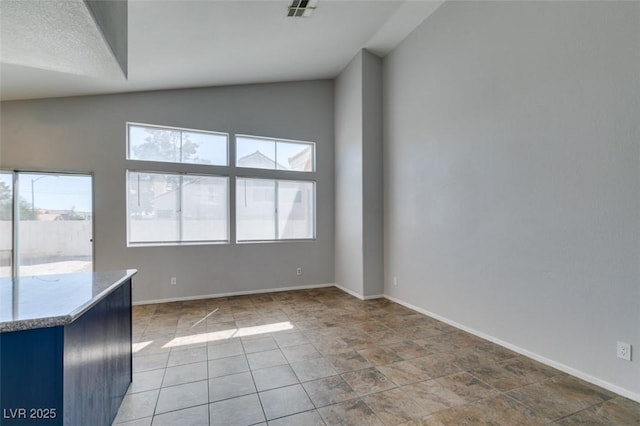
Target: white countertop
30	302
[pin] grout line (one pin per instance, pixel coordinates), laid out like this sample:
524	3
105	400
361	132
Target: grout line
264	413
206	350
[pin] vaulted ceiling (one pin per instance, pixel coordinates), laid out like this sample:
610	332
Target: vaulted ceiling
181	43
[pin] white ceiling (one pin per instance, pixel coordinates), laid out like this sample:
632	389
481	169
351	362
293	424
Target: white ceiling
181	43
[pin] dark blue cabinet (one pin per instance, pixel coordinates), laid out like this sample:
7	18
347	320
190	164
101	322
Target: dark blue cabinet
76	374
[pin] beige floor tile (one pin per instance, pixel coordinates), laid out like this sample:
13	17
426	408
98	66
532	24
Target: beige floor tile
266	359
330	390
436	365
348	361
240	411
393	407
290	339
187	356
380	355
403	373
150	362
185	374
274	377
560	396
231	386
225	366
182	396
467	386
313	369
409	349
139	422
146	380
300	352
225	349
617	411
367	381
259	344
433	396
137	406
194	416
285	401
308	418
354	412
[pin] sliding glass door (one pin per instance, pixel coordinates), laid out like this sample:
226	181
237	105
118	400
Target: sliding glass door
51	219
6	223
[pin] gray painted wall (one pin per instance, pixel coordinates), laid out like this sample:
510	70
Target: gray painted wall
88	134
348	177
373	206
359	206
512	177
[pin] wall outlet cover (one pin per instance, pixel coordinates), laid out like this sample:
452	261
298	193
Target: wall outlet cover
624	351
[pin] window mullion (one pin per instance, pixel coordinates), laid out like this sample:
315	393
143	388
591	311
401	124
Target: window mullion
180	204
15	218
277	224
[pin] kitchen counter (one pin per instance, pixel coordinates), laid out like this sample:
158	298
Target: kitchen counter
65	348
53	300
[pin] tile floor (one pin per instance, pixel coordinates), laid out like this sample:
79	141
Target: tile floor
316	357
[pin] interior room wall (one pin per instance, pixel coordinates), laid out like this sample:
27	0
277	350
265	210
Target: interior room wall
372	176
512	178
349	273
88	134
359	198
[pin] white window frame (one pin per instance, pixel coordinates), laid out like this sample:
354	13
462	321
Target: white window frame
277	175
275	141
179	242
277	224
231	172
179	129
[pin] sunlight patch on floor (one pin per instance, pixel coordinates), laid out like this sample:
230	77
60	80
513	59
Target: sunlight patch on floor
228	334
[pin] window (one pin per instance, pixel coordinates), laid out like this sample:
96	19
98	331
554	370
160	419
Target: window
166	208
273	154
182	201
46	223
174	206
270	209
171	145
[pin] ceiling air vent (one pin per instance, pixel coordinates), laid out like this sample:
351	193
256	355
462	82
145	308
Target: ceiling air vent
302	8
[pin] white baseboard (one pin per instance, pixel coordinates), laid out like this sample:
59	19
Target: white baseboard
562	367
350	292
358	296
233	293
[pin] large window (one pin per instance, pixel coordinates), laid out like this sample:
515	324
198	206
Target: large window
167	208
272	209
182	193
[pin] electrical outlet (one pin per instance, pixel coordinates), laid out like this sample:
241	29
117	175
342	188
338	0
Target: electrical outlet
624	351
395	281
174	281
299	271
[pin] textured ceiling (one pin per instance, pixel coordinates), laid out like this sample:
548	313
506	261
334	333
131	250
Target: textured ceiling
58	36
182	43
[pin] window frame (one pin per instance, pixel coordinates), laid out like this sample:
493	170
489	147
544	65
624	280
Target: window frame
276	201
180	204
275	141
180	129
231	172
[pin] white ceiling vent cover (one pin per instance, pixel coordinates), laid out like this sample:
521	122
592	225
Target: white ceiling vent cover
302	8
